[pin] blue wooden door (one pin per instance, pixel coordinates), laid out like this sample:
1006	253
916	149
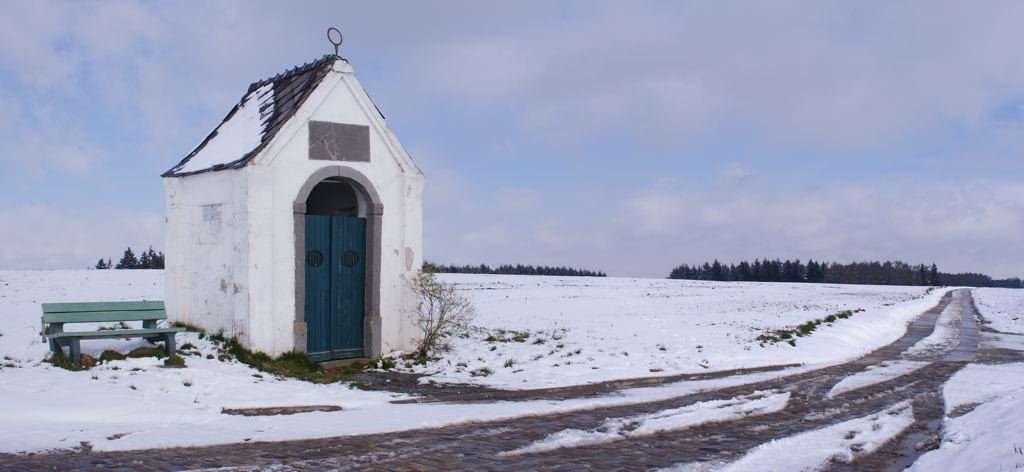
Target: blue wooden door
335	290
349	269
318	286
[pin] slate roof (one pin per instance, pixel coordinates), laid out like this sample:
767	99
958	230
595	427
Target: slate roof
291	89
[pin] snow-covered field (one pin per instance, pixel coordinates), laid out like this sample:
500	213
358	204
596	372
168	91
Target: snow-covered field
587	325
135	403
555	331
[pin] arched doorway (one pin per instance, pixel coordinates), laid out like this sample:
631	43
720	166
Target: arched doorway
337	266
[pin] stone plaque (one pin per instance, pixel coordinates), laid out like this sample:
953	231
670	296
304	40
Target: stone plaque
339	142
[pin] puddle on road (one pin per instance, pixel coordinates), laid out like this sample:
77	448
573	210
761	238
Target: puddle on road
967	349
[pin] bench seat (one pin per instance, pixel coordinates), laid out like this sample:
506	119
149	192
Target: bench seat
56	315
116	333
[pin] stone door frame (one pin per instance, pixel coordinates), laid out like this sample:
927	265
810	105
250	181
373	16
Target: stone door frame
374	212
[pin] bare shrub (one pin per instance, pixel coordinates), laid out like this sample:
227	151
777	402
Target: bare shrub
441	313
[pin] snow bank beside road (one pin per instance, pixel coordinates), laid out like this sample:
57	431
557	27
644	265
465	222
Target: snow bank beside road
1002	308
989	437
979	383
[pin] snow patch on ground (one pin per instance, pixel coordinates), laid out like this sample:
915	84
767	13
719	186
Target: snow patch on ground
696	467
946	334
614	429
1002	308
990	437
979	383
537	332
875	374
1013	342
842	442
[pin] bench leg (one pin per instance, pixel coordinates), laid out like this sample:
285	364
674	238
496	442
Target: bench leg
58	345
150	324
76	351
169	343
55	346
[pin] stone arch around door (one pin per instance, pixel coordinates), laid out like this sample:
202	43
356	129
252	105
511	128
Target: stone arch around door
373	211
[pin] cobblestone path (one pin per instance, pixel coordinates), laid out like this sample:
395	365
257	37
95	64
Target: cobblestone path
484	446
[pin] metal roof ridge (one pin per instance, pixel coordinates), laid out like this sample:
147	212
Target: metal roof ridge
289	73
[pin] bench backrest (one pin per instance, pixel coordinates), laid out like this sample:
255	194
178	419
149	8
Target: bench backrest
101	312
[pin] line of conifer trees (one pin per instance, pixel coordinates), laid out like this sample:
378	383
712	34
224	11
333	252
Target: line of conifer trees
508	269
871	273
149	259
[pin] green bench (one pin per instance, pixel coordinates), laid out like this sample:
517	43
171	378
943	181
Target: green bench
56	315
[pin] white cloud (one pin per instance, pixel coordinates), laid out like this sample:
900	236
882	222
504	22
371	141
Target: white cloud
832	75
30	33
37	236
969	226
59	147
518	198
74	156
963	226
734	173
485	70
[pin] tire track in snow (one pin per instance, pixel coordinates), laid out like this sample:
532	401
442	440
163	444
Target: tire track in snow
676	419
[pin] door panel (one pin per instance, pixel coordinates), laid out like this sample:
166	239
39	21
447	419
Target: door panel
348	251
318	286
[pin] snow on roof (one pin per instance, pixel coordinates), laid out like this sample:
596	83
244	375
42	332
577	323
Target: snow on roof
237	136
250	125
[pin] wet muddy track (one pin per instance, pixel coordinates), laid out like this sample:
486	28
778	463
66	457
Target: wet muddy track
478	445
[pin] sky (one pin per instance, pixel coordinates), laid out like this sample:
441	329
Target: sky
627	137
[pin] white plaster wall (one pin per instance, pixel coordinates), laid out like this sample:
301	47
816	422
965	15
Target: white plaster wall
206	250
265	273
412	258
280	172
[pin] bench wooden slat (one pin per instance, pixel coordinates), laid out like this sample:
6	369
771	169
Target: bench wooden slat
85	307
104	316
116	333
56	315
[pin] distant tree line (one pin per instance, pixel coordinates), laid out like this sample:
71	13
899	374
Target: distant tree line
869	273
508	269
149	259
